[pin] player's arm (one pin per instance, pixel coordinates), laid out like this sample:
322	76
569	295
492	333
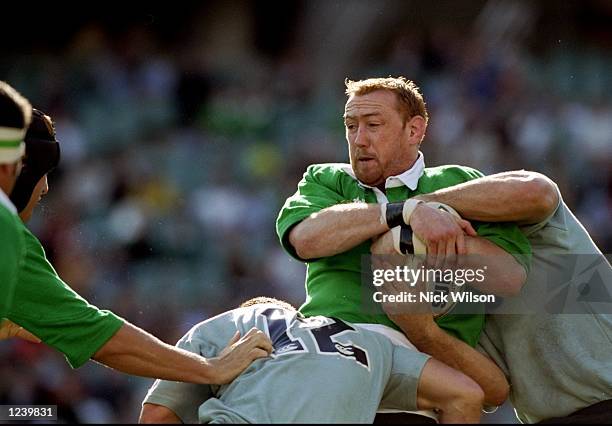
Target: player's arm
419	382
318	222
157	414
8	330
336	229
516	196
425	334
504	276
177	402
46	307
134	351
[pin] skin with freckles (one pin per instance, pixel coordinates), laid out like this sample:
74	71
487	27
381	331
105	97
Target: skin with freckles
40	190
382	141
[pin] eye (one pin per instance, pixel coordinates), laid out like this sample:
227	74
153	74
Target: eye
350	126
373	124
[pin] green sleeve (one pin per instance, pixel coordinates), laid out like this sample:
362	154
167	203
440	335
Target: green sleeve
11	257
509	237
48	308
316	191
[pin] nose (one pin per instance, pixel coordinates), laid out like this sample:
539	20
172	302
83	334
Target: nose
45	186
361	137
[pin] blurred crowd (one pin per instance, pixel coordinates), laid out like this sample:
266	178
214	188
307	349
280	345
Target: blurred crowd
174	167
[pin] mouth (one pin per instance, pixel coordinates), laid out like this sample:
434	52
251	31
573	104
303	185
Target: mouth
365	160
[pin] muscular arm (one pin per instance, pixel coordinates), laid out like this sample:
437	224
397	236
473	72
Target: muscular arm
504	275
336	229
425	334
134	351
517	196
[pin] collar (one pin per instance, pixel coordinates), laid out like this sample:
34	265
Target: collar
6	202
409	178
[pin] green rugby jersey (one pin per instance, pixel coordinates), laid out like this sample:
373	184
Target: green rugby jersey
12	252
45	306
322	371
333	284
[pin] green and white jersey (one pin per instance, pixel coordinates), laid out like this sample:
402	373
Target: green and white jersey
12	252
556	363
333	284
323	370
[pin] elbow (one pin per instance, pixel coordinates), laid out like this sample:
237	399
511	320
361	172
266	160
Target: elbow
497	396
541	194
515	281
302	242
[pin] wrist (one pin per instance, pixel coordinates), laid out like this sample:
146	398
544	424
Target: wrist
420	327
416	210
398	214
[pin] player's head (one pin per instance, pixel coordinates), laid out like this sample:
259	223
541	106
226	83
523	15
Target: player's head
15	116
41	156
264	300
385	121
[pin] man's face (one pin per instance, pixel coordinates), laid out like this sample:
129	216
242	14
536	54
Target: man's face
39	191
380	140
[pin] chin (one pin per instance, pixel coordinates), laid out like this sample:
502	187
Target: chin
366	180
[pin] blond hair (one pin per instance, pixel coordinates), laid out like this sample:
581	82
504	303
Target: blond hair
263	300
410	98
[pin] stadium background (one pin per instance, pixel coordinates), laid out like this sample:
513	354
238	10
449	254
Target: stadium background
183	129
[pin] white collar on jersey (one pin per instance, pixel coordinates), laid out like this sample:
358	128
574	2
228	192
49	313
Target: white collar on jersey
409	178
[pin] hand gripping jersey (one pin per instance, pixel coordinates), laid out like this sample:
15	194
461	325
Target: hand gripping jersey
322	370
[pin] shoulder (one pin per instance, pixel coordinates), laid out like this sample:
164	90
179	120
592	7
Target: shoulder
328	170
453	171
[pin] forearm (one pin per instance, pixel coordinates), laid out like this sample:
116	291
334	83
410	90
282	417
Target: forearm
134	351
157	414
460	356
517	196
503	274
336	229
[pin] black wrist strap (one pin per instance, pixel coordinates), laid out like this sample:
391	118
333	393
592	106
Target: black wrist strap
394	214
405	245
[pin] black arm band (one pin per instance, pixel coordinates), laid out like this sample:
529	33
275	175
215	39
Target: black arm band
394	214
405	245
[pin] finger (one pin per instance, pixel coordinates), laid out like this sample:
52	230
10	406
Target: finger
432	251
441	256
263	342
252	332
257	353
467	227
234	338
461	247
451	254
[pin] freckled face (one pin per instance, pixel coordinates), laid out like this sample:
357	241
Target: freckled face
378	137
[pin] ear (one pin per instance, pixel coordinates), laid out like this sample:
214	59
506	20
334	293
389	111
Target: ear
416	127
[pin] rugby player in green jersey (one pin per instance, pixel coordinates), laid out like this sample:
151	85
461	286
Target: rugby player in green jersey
34	297
339	209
